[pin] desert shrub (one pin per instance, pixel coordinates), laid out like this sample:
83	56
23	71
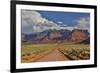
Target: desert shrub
76	53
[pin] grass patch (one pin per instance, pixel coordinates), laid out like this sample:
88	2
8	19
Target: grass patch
36	48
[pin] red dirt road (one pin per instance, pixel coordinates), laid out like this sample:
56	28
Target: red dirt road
55	55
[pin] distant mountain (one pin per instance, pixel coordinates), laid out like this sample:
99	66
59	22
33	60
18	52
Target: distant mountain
59	34
28	37
62	35
78	35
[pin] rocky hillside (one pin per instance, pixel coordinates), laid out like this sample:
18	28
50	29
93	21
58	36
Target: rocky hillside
62	35
78	35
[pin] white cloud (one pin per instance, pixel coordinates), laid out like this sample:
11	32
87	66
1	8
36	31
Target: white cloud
31	16
38	23
83	23
67	28
60	22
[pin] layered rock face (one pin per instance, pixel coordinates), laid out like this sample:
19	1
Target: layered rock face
76	35
79	35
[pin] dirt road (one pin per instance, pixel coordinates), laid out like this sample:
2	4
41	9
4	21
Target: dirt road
55	55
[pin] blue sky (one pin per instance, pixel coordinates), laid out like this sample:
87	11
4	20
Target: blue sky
37	21
65	17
